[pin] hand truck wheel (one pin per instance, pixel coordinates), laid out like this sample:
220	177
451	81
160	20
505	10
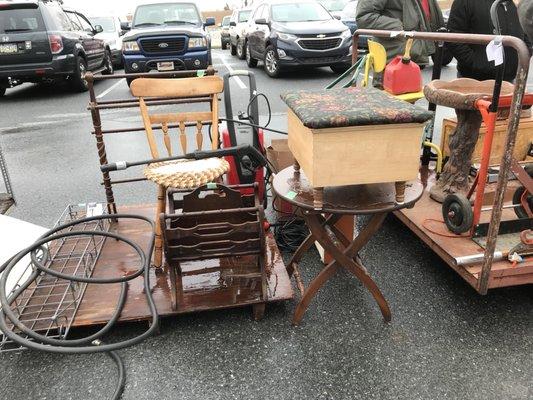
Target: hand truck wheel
457	213
517	197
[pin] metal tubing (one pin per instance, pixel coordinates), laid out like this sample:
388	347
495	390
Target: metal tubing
514	121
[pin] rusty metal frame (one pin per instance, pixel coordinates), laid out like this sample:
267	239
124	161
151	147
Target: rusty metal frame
99	133
514	120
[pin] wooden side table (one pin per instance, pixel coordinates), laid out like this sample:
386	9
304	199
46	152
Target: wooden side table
376	200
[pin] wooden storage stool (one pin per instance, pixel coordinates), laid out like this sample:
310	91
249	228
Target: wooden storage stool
354	136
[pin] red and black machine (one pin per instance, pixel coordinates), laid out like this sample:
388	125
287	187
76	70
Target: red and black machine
241	172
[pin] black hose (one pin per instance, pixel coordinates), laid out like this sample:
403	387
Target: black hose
46	344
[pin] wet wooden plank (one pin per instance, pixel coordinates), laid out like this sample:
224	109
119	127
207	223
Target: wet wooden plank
217	289
418	219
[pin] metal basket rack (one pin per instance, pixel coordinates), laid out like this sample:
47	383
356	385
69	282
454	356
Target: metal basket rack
49	305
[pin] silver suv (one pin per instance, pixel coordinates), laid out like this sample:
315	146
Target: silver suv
237	27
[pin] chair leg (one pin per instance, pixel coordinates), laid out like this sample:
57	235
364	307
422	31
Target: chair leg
161	205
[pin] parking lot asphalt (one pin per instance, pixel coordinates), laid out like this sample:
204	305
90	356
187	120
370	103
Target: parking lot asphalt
444	342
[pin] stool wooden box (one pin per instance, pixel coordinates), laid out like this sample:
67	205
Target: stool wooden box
354	136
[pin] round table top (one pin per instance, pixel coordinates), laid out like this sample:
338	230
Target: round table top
356	199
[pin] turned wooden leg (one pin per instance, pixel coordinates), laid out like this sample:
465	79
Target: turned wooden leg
318	198
161	205
400	192
296	166
259	311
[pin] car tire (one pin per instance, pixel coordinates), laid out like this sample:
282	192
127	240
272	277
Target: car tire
271	62
250	61
241	50
224	45
340	68
108	64
233	50
129	81
78	82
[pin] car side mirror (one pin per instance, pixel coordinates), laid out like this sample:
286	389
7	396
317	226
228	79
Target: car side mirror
337	17
210	21
125	26
232	23
261	21
98	29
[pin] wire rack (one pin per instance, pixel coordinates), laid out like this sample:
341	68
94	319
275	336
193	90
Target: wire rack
49	305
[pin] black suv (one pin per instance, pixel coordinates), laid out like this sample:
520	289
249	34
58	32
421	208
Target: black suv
285	33
167	36
41	41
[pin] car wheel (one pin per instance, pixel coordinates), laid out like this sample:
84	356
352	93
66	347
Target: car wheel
108	64
271	62
250	61
129	81
79	83
241	50
233	49
340	68
224	45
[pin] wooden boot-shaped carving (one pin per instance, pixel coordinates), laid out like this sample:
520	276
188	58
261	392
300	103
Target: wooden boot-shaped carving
454	177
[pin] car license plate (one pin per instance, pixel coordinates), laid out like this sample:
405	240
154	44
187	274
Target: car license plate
8	48
165	66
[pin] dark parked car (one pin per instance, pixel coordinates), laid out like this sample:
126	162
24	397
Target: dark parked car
41	41
224	33
285	33
166	37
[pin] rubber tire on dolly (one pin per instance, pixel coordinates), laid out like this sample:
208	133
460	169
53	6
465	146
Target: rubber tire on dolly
517	197
78	83
251	62
274	73
233	49
457	213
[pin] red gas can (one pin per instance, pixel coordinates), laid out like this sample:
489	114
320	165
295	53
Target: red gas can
403	75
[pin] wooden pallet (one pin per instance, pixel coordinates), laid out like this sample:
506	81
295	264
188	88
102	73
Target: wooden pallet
503	273
200	292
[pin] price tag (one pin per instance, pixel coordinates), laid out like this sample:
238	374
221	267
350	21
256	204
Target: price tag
94	210
291	195
495	51
200	73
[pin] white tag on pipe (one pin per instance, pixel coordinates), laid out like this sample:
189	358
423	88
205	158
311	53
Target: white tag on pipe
495	51
121	165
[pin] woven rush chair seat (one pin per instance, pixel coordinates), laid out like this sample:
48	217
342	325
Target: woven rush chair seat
355	106
186	174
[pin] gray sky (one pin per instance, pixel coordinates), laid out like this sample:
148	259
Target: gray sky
124	7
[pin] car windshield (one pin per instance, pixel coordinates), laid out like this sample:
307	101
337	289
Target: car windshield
333	5
349	11
14	20
244	16
299	12
105	22
166	13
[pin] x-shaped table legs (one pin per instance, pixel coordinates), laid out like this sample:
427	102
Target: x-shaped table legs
345	253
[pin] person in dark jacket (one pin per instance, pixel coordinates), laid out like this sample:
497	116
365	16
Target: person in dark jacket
402	15
473	16
525	13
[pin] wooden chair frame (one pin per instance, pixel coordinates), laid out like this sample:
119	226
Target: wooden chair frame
201	87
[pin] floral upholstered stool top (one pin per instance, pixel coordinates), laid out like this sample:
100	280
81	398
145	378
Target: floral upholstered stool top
354	136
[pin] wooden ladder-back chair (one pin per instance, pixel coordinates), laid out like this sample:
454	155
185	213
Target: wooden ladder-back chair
147	89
